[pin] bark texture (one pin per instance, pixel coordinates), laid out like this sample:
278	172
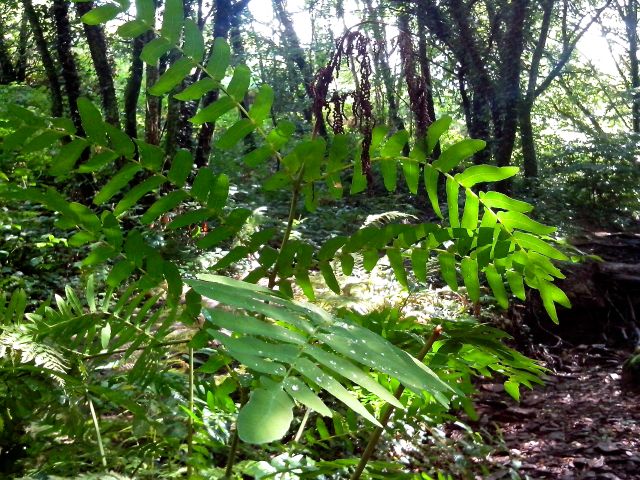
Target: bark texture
48	63
98	49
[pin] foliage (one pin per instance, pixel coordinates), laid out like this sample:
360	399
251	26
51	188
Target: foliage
293	353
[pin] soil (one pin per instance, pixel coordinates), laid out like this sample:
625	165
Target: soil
582	424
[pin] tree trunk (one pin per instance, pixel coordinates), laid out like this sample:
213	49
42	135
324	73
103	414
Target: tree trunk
7	70
631	23
132	89
225	10
70	76
98	49
21	63
296	54
153	103
509	86
529	157
46	58
382	66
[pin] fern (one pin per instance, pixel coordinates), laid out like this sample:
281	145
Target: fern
297	349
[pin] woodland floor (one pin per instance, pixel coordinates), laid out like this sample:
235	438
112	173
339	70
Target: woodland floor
580	424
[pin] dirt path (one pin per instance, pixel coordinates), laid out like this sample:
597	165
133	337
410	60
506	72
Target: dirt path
581	424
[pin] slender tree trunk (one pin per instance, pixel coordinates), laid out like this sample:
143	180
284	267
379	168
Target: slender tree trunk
221	26
509	90
46	58
67	62
297	56
529	156
425	69
631	23
382	66
153	103
98	49
7	70
21	63
132	89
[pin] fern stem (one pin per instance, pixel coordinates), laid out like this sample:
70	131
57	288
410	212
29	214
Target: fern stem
293	208
94	417
235	441
190	424
303	425
389	409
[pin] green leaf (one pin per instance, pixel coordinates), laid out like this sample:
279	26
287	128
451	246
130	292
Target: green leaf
133	29
266	417
192	217
348	370
531	242
447	263
516	284
219	61
332	386
393	147
98	161
262	103
117	182
452	201
146	11
431	176
411	170
389	172
151	156
551	295
329	277
235	133
197	90
120	141
193	42
484	173
92	122
304	395
469	270
304	282
502	201
245	324
163	205
45	140
120	271
219	192
497	286
153	50
105	336
212	112
239	83
377	136
136	193
201	184
347	263
456	153
330	247
513	389
172	20
436	130
180	168
419	259
471	210
101	14
172	77
397	264
516	220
